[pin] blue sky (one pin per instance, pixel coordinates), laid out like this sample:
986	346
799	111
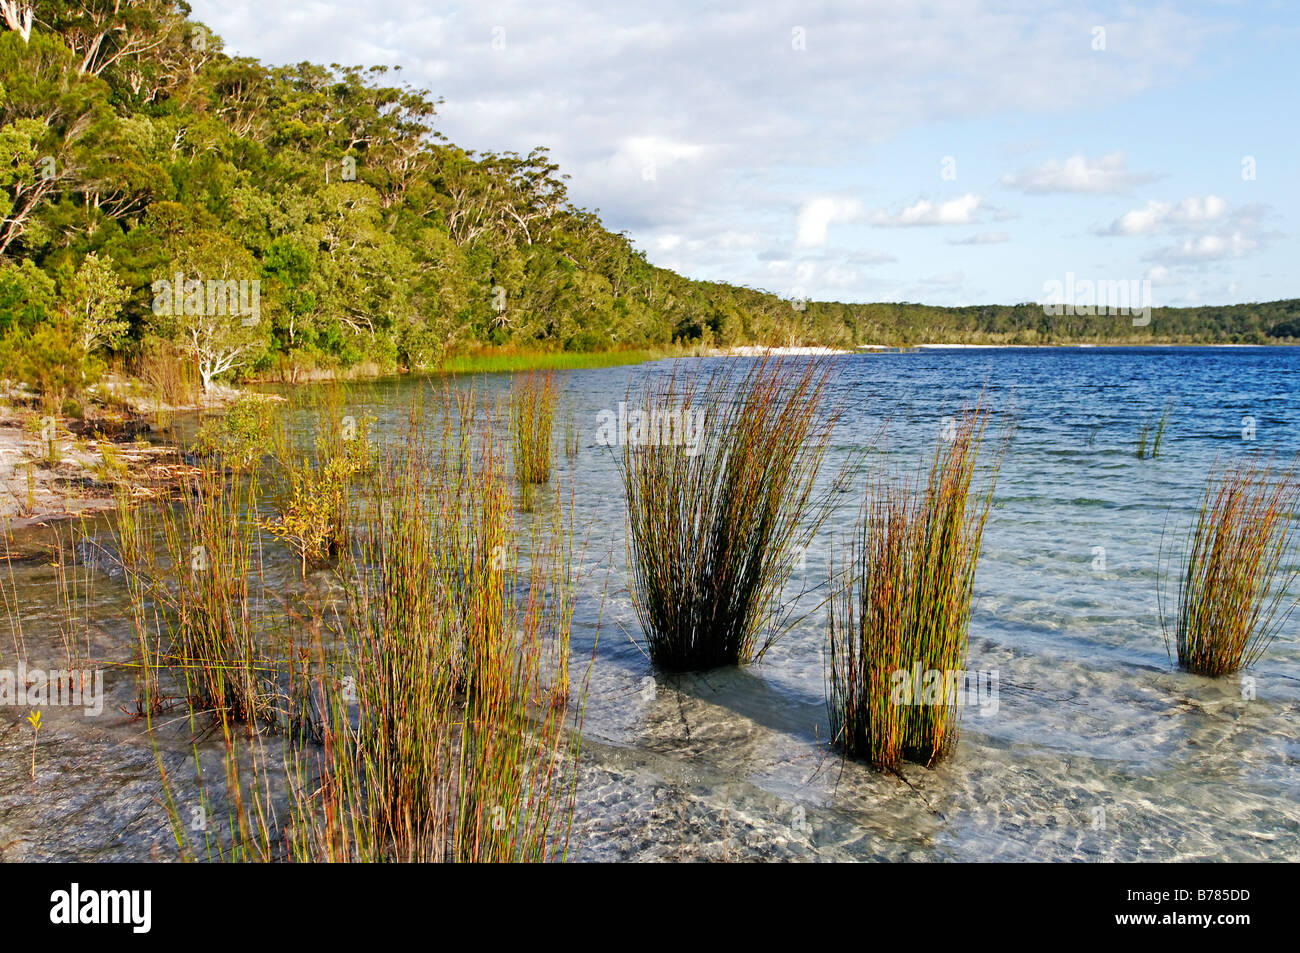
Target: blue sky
944	152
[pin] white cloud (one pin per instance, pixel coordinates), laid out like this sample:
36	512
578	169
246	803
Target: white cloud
1157	216
983	238
733	123
958	211
1207	248
870	256
816	215
1077	174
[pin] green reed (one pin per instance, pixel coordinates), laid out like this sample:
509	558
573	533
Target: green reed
712	529
571	437
436	734
533	398
1160	432
905	601
215	549
1234	593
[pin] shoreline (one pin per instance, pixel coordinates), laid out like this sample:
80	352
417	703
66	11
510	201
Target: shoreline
55	468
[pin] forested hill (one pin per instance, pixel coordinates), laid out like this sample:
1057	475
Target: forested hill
137	152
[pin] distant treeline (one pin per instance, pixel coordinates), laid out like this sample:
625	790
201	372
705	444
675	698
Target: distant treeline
135	151
1264	323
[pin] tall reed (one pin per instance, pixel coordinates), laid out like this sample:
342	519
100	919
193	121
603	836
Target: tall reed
1235	587
437	737
903	606
713	527
1160	431
194	575
140	571
533	398
1145	436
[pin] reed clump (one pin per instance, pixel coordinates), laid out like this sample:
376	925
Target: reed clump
171	378
904	605
209	598
193	570
1235	587
533	399
436	737
719	474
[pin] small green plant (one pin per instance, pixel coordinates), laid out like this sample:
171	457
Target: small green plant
314	519
1234	593
34	719
111	465
240	436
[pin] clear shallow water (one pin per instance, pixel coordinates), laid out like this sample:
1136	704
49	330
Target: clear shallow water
1100	750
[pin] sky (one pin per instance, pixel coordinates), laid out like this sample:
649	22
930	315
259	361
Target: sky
947	152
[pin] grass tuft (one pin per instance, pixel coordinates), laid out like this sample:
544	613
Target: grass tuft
713	528
1233	590
904	606
533	398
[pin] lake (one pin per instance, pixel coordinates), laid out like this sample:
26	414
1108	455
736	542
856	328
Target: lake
1097	749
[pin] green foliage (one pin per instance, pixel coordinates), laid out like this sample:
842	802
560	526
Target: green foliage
94	303
26	296
132	149
240	436
51	360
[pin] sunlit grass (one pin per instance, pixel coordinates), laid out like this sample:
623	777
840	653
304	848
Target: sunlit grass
504	361
905	601
712	533
1235	587
533	399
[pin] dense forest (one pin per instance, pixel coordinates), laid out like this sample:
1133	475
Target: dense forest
159	196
